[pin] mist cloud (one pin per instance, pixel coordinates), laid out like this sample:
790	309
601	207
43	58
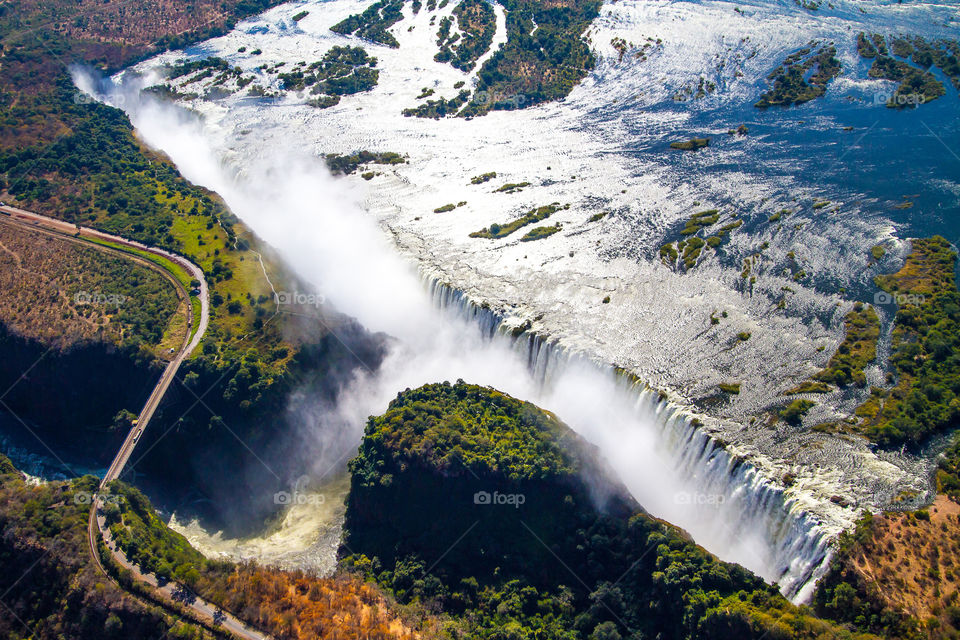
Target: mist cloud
317	224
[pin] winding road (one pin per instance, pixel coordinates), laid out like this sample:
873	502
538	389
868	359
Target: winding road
172	596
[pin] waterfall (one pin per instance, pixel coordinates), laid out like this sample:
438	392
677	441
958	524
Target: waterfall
779	539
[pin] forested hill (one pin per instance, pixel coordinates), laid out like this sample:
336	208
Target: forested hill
476	504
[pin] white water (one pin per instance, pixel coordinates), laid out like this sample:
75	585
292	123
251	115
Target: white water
673	469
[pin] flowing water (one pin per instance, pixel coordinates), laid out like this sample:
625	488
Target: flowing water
668	459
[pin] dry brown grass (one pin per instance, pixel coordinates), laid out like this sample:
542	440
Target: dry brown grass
42	275
136	24
914	562
297	606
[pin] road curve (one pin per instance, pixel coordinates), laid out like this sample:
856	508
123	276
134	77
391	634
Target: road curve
170	593
25	217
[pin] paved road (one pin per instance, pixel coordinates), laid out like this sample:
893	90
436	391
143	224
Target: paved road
25	217
171	592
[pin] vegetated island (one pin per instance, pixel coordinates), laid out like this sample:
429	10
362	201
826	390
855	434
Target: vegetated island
693	144
793	82
917	84
545	56
342	71
534	215
347	164
689	248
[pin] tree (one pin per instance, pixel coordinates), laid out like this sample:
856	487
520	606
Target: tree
605	631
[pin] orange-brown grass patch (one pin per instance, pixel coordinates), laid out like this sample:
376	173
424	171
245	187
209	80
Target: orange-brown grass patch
912	563
297	606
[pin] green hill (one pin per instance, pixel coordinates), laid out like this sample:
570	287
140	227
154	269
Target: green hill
494	512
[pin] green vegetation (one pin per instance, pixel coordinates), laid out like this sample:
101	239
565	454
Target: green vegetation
858	349
877	251
809	386
168	265
539	233
146	540
727	228
917	84
51	587
532	216
324	102
926	338
300	16
461	429
477	22
668	254
501	535
342	71
373	23
512	187
347	164
210	65
485	177
597	217
693	144
794	412
948	471
700	220
439	108
445	208
729	387
536	65
691	251
793	82
690	248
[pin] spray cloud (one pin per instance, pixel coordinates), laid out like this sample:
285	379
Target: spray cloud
317	224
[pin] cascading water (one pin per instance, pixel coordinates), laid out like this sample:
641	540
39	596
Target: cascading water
728	498
672	467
